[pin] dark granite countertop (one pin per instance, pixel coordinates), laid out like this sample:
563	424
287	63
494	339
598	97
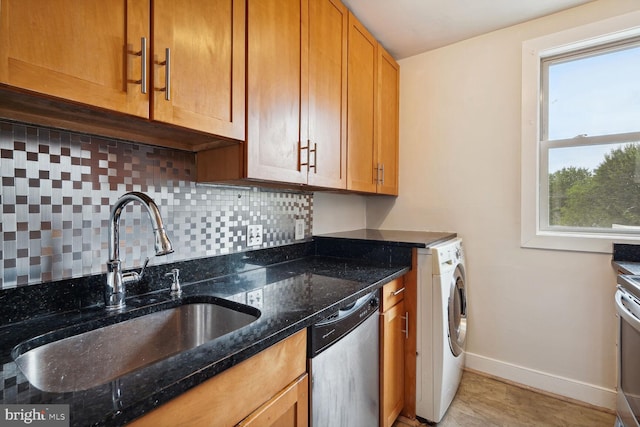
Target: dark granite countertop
626	258
627	267
295	294
418	239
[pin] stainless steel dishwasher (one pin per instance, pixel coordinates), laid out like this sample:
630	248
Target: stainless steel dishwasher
344	366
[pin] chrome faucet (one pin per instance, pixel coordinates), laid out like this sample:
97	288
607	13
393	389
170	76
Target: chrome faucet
115	290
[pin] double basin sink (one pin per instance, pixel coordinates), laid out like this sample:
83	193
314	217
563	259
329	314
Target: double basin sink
97	356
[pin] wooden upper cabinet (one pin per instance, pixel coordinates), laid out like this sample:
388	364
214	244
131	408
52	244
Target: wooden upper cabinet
327	97
274	61
88	51
296	97
205	40
361	104
91	52
372	114
388	91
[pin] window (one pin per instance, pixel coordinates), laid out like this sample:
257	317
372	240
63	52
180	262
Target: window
581	138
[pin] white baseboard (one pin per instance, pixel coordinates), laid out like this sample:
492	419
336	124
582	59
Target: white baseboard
592	394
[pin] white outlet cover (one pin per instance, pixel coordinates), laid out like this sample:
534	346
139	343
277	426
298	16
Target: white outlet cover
254	235
299	232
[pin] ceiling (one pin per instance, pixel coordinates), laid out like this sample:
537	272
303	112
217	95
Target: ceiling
408	27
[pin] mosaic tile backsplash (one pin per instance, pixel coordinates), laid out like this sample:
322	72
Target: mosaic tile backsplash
57	189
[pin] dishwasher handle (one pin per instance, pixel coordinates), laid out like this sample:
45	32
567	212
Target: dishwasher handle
349	309
330	330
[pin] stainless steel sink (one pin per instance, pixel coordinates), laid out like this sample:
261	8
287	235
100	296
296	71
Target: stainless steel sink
101	355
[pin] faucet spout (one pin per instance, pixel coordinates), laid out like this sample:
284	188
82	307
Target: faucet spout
116	280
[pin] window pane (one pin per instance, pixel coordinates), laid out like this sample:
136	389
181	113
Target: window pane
596	186
594	95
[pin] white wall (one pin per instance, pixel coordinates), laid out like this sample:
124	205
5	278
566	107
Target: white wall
542	318
338	212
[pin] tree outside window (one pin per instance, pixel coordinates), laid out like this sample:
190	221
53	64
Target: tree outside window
590	140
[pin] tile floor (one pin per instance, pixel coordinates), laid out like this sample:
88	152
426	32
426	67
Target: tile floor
486	402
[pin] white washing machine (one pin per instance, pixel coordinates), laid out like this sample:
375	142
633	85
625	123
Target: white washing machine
441	327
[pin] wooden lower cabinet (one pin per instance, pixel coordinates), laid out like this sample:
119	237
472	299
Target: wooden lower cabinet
268	389
410	347
289	408
392	364
393	337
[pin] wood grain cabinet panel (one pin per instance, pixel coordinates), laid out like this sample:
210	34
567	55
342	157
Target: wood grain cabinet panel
275	58
392	364
289	408
387	126
271	383
393	337
112	55
392	293
86	51
206	41
296	97
361	104
327	98
372	114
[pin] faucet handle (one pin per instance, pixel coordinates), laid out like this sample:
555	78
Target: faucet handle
175	284
144	266
133	276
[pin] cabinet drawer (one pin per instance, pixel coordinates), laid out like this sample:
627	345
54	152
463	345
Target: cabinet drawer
392	293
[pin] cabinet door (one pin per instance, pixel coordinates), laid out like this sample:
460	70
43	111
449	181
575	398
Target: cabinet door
289	408
274	58
361	103
85	51
232	395
387	125
327	77
392	364
201	86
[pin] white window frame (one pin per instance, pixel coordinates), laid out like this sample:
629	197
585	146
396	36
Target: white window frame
586	36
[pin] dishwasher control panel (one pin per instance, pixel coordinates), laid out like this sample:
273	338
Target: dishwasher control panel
335	326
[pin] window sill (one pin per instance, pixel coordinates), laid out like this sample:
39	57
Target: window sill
578	242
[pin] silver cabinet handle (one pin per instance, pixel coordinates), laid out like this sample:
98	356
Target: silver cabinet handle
167	74
300	149
310	150
143	65
396	293
315	157
406	325
379	173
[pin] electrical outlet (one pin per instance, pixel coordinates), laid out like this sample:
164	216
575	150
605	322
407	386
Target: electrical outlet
254	235
299	232
254	298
